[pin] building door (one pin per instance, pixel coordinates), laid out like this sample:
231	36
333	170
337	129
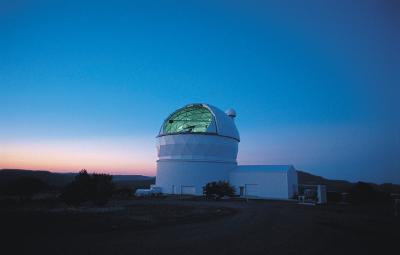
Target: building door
241	191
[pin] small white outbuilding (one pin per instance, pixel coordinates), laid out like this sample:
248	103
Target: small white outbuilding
264	181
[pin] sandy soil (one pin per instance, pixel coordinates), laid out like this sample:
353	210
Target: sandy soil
201	227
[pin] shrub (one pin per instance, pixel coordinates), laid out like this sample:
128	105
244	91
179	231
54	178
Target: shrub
218	189
333	197
103	188
123	192
362	193
25	187
97	188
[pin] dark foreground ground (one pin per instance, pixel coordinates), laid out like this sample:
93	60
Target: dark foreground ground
174	226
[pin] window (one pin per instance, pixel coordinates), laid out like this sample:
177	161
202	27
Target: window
191	119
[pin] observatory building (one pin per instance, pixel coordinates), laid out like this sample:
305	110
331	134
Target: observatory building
198	144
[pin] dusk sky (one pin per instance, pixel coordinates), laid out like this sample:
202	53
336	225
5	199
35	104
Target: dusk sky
87	84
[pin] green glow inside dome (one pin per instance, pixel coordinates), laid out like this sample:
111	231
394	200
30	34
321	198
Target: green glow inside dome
191	119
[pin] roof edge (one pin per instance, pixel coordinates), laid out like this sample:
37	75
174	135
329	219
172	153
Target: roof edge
197	133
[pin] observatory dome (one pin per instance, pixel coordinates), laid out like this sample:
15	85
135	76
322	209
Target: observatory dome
198	132
200	119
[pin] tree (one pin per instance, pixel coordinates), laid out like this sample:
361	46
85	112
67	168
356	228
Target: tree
97	188
218	189
103	188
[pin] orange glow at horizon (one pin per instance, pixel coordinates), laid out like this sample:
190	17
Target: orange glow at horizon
127	155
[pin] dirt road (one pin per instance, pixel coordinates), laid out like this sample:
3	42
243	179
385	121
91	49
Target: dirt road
209	227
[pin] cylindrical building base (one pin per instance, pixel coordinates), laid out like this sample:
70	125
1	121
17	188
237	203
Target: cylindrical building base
189	177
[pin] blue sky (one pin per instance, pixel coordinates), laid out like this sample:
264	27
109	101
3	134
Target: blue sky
87	84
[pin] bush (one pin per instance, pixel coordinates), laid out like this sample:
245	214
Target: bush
97	188
103	188
334	197
363	193
123	192
218	189
25	187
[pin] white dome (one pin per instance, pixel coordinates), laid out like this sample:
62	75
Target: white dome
200	119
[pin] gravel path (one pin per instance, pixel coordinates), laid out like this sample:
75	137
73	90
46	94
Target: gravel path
225	227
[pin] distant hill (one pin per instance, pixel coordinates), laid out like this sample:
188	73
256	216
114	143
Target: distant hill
341	185
131	177
332	185
61	179
54	179
140	181
134	181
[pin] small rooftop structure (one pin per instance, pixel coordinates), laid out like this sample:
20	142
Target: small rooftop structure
231	113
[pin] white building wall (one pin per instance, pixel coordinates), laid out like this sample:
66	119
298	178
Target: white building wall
203	147
184	177
292	182
187	162
262	183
